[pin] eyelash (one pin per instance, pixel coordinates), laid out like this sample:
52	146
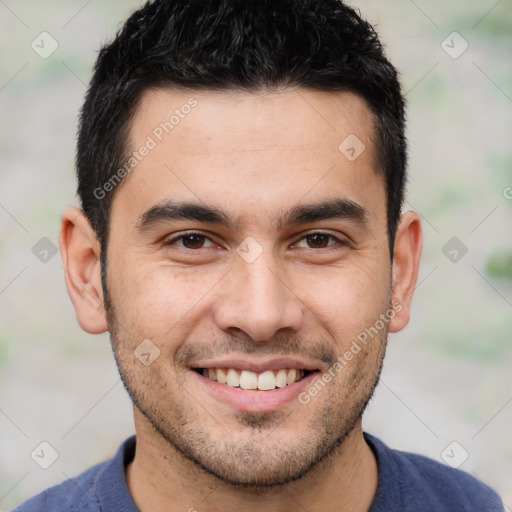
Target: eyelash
199	233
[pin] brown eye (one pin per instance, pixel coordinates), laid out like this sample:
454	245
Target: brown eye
318	240
192	241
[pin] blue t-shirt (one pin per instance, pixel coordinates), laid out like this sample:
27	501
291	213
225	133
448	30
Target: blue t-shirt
407	483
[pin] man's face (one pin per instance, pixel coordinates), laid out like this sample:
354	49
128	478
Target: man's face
254	288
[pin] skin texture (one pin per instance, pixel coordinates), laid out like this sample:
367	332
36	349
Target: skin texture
253	156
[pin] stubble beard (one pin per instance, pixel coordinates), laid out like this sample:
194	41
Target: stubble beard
261	460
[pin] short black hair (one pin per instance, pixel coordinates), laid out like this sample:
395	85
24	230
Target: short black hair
235	44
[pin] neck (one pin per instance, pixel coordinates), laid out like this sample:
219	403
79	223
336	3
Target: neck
161	479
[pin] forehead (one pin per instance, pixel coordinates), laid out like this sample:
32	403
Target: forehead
242	120
261	150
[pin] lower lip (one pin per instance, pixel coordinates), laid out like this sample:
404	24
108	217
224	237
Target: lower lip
255	400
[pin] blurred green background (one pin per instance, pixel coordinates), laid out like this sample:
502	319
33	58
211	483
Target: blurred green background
447	376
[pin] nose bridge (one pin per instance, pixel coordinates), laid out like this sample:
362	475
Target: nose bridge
257	301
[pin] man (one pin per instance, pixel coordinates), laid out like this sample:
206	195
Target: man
241	169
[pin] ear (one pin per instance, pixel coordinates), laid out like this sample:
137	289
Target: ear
80	252
406	260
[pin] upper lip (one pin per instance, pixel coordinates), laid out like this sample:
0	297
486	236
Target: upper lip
257	365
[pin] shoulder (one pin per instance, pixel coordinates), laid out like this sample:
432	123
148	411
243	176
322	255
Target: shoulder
75	494
414	482
89	491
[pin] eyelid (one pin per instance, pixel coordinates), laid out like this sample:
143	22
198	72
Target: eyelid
338	240
302	237
184	234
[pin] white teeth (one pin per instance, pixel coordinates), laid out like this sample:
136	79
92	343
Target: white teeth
221	376
246	379
281	379
233	379
266	381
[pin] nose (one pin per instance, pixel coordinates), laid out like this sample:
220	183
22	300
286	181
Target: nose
256	300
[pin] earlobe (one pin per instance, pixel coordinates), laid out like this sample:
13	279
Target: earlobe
406	260
80	251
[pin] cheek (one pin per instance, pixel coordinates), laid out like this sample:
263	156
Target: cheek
155	299
347	300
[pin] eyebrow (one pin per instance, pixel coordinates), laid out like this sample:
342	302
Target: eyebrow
338	208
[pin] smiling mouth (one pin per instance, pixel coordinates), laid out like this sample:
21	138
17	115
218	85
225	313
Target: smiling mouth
245	379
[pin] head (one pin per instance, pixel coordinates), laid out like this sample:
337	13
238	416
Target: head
260	228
